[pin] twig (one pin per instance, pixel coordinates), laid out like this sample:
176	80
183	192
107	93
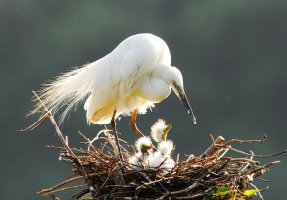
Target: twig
45	191
258	191
104	183
247	164
261	170
58	131
62	189
213	148
259	156
191	187
244	141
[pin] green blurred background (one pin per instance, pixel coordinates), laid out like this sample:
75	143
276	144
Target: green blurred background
232	55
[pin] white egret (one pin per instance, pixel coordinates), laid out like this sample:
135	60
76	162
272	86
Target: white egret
159	130
162	157
143	146
129	80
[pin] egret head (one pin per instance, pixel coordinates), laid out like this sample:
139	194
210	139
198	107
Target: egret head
143	144
177	87
160	130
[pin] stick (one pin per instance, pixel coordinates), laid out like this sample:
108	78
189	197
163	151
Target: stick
45	191
58	131
213	148
62	189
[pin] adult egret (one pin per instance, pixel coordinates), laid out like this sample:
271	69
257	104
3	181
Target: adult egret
132	78
159	130
143	146
162	157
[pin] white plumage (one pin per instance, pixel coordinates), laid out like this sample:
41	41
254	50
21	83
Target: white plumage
159	130
142	144
134	76
162	157
140	159
165	148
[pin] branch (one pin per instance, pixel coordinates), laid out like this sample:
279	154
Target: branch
58	131
214	147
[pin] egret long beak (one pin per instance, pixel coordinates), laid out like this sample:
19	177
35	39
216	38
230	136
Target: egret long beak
181	95
185	102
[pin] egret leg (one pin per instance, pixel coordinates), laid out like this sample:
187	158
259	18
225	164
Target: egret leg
113	124
133	123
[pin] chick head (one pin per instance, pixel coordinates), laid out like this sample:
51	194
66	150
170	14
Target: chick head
160	130
143	144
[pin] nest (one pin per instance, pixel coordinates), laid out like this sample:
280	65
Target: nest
98	173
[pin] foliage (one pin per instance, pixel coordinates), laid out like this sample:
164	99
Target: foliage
225	193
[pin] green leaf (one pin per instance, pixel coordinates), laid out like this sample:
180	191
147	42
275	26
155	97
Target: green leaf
250	193
222	191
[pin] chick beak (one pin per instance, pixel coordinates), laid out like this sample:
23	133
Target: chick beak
146	148
166	131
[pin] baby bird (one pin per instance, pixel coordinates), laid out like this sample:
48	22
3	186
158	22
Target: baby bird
160	130
140	159
162	157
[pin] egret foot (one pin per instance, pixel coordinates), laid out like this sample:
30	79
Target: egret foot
113	124
133	123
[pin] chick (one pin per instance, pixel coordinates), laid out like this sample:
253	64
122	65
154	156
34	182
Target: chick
162	157
140	159
160	130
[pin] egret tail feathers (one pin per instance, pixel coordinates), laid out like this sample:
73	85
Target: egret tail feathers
66	91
